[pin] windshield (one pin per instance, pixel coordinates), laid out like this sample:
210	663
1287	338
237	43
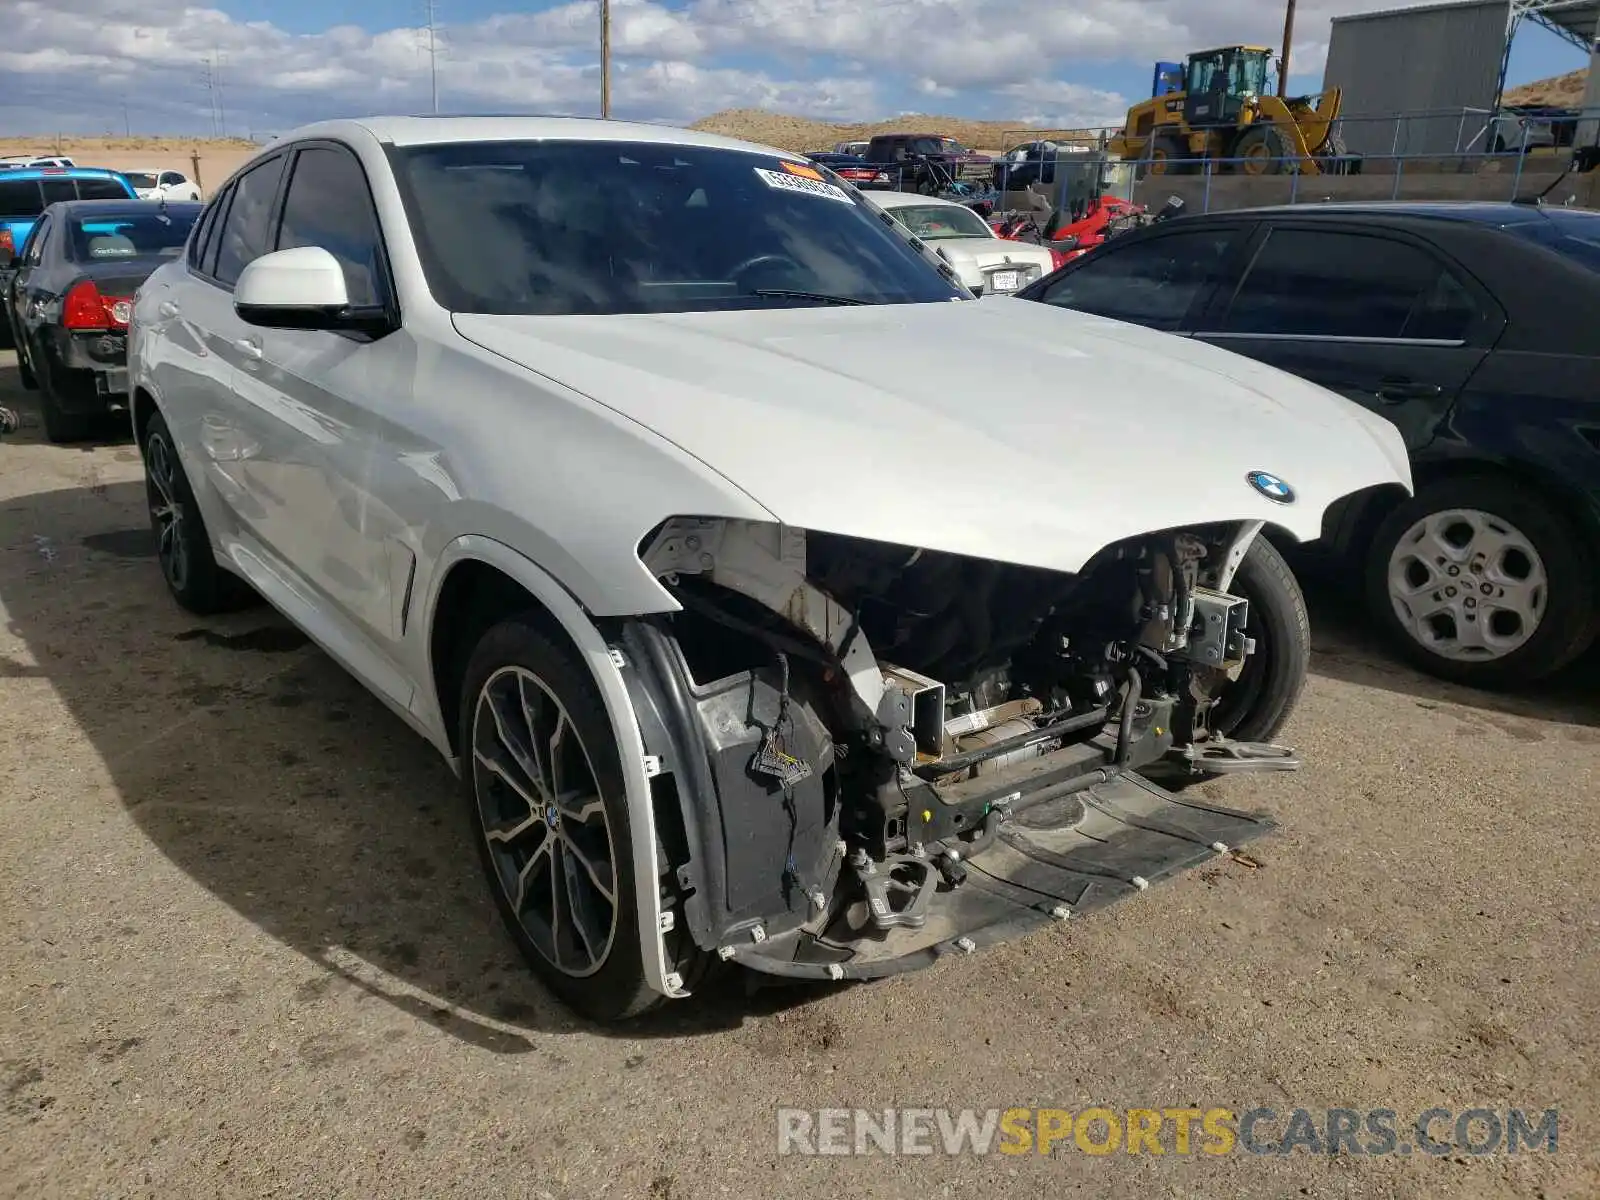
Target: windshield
1249	74
128	235
934	221
1574	235
622	227
141	179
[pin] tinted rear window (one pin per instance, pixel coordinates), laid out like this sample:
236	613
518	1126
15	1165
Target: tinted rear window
101	189
128	235
20	198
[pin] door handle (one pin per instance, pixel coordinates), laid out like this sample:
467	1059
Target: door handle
167	308
249	348
1396	389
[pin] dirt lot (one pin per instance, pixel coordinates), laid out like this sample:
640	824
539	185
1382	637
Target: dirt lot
246	951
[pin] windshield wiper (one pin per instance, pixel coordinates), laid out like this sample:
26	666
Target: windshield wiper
820	297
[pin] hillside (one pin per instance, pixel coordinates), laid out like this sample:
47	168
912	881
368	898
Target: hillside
1564	91
800	134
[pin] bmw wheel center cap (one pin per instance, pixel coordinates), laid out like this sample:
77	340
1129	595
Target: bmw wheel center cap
1270	486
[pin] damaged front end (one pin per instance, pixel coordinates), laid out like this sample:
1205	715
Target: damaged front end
867	756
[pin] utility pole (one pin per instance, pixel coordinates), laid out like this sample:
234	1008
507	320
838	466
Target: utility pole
222	108
605	59
208	80
433	55
1288	41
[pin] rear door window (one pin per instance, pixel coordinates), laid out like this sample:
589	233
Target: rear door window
1337	284
57	190
1154	283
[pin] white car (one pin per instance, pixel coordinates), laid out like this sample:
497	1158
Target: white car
986	263
152	183
667	491
20	161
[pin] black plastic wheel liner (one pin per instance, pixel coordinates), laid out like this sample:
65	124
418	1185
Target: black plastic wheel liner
1062	857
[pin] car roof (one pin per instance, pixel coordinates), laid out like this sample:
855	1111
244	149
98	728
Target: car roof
442	130
1477	212
907	199
59	172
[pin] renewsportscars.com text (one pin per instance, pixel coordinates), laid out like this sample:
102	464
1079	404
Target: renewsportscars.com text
1157	1131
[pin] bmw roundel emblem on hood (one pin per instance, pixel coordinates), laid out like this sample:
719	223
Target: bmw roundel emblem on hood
1270	486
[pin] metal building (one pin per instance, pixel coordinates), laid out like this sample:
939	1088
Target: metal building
1419	80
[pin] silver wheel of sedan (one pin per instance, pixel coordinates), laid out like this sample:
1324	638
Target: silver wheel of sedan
544	821
1467	585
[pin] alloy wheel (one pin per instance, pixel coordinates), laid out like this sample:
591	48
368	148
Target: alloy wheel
166	511
1467	585
544	821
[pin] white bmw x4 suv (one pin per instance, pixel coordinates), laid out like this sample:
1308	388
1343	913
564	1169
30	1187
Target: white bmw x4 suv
665	485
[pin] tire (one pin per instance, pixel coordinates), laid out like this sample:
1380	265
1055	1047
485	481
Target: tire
1266	142
60	426
1256	706
602	982
183	546
1502	537
1169	156
25	373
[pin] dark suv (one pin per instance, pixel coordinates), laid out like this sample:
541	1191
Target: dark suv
1473	328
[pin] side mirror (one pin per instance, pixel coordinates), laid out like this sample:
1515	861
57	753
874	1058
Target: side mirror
302	288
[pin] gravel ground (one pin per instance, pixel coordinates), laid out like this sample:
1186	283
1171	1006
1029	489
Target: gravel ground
246	951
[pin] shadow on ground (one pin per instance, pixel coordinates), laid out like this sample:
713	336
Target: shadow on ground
277	783
273	780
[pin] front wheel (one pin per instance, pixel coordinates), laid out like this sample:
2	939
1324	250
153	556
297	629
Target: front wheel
543	783
1481	582
1256	706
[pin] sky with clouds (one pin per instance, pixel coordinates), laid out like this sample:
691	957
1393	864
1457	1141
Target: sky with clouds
94	66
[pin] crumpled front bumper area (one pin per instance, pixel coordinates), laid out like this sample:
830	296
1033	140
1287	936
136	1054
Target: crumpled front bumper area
1058	858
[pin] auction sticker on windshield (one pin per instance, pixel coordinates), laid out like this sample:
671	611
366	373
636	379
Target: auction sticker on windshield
795	183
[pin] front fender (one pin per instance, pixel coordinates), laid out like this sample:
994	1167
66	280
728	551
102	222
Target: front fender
597	656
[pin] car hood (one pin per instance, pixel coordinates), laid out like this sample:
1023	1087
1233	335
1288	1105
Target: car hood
991	251
892	423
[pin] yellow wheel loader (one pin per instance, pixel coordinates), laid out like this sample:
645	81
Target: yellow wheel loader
1218	107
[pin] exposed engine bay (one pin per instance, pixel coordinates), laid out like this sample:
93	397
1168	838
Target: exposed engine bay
882	752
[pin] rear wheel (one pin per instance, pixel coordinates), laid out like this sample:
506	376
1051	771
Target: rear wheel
1484	583
56	384
183	546
1169	156
24	369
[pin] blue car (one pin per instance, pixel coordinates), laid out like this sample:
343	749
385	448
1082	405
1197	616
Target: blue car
27	192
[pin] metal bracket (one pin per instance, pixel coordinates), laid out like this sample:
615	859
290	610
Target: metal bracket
892	901
1224	757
